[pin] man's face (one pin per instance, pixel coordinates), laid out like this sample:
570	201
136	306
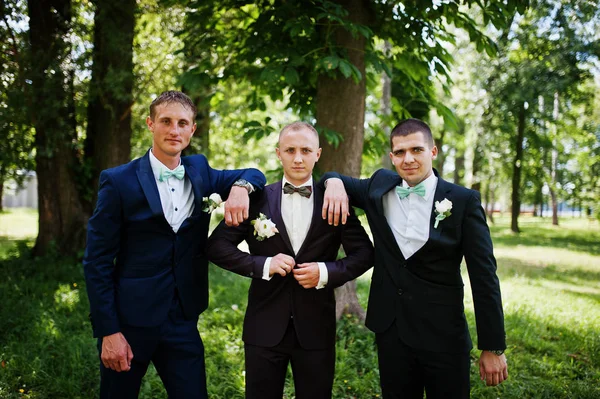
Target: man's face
172	128
413	157
298	152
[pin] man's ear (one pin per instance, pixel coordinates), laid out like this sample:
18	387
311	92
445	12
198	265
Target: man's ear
319	154
277	152
150	123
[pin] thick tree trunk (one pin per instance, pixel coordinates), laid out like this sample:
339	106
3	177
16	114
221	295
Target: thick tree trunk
108	141
341	108
61	216
516	178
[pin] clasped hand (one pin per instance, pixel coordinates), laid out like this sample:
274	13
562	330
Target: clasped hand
307	274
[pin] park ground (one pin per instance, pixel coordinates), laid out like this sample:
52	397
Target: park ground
550	279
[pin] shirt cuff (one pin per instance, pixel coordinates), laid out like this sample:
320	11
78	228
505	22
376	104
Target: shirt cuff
323	276
266	268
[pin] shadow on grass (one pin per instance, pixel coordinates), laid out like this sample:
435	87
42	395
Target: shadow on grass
544	236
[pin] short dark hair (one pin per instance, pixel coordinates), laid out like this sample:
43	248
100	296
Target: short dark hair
410	126
173	96
299	126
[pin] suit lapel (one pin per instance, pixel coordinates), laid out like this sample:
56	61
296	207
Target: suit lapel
441	191
274	194
148	183
196	179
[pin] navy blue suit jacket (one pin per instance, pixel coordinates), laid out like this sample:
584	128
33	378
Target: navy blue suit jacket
272	303
134	262
424	294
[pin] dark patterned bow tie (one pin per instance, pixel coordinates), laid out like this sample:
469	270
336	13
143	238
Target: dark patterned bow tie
304	191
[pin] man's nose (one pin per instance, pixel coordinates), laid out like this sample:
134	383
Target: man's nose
174	129
408	157
298	158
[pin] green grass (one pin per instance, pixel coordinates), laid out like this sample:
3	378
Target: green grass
550	279
16	224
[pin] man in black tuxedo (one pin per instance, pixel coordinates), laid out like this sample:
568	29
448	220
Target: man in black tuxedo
290	316
423	227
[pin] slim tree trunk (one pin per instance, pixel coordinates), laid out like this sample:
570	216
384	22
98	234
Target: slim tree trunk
1	195
554	164
386	107
61	216
108	141
341	108
516	178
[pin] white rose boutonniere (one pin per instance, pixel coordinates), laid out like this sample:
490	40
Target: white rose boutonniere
263	227
442	210
211	202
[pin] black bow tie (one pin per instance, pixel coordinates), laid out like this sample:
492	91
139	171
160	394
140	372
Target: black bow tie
304	191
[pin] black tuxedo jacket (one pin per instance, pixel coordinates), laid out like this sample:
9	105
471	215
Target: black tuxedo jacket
423	295
272	303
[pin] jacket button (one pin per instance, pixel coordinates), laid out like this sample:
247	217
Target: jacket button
400	292
251	274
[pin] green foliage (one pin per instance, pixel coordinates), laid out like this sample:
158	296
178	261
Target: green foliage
16	135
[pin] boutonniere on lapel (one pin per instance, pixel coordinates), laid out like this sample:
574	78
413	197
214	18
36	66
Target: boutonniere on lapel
211	203
442	211
263	227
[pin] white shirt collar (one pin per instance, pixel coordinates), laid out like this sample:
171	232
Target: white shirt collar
157	166
430	185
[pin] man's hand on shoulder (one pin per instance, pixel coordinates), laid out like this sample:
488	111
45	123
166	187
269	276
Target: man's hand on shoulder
281	264
493	368
307	274
116	352
335	202
237	206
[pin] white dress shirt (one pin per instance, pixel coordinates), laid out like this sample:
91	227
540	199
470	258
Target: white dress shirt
176	196
297	212
409	217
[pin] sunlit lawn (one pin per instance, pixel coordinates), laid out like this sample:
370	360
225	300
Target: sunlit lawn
16	224
550	278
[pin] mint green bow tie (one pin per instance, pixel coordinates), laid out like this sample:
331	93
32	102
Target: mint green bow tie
403	192
177	173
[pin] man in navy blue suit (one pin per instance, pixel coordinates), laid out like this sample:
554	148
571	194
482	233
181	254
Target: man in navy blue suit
423	227
145	267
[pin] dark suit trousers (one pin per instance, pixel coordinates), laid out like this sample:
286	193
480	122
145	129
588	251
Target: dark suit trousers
406	372
176	350
266	369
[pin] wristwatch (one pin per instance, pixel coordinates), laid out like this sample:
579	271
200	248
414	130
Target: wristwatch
246	184
497	352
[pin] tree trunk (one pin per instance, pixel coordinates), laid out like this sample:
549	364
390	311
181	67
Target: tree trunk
554	165
61	216
341	108
489	204
386	107
1	195
108	141
441	157
459	167
516	178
